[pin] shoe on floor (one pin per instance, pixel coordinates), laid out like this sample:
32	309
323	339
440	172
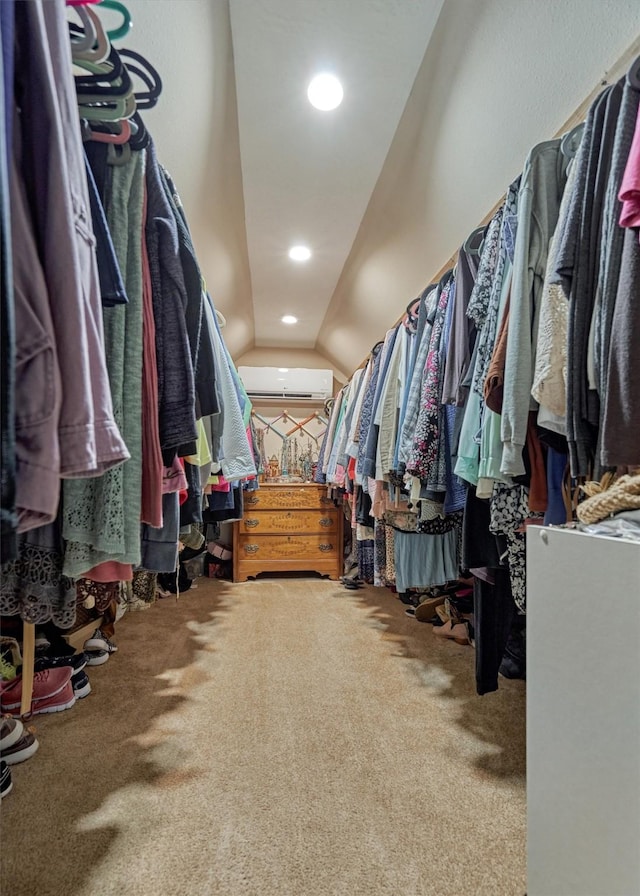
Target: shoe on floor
81	685
457	632
6	784
46	685
64	699
10	732
17	743
75	661
426	610
99	641
96	657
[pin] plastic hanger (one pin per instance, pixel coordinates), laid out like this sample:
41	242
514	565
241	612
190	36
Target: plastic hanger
123	107
570	142
147	73
139	134
118	155
123	29
86	38
116	138
99	49
108	69
473	243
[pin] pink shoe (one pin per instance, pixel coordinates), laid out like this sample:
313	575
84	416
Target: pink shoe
64	699
46	684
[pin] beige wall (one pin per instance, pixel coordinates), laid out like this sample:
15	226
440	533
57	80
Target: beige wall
498	77
194	53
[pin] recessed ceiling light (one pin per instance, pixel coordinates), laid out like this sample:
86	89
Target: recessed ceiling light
283	370
325	92
289	319
299	253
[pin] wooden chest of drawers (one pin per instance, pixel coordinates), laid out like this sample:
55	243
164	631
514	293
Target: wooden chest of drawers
292	527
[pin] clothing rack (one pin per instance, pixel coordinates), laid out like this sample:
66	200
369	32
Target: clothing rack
617	70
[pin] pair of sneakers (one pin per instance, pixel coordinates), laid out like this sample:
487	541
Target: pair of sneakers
98	648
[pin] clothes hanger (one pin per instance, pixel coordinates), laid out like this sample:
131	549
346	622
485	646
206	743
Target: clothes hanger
410	319
113	81
99	71
633	75
147	73
570	142
98	51
124	107
473	243
115	138
123	29
118	155
140	138
88	37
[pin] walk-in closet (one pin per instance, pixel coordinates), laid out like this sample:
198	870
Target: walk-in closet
320	447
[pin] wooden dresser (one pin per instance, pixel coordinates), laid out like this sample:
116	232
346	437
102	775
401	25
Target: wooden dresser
288	527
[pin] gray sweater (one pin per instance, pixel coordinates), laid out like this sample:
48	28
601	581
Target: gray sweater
539	200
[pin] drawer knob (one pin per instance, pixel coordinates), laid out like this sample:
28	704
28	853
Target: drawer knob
326	521
325	548
251	524
251	548
252	499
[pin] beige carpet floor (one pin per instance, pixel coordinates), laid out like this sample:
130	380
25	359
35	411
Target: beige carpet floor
283	737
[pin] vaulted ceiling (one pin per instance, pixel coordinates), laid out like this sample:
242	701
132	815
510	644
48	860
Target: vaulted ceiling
442	100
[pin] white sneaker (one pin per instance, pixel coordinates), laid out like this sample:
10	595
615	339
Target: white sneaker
99	641
95	642
96	657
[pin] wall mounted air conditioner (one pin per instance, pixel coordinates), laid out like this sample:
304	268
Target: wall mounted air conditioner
295	383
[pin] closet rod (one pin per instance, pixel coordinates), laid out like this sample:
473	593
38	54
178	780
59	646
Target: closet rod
609	76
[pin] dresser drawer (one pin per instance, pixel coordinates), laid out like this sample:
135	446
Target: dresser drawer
289	547
283	497
289	521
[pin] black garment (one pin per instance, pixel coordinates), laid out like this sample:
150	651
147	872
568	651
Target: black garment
8	517
191	509
202	355
363	509
479	547
236	512
176	389
494	613
112	288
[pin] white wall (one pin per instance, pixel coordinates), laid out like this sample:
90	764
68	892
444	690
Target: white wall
498	77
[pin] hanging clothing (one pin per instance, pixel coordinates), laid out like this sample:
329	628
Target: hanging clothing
101	517
53	166
539	200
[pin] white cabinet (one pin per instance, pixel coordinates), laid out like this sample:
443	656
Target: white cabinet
583	714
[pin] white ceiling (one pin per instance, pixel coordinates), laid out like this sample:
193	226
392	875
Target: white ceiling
443	101
308	175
